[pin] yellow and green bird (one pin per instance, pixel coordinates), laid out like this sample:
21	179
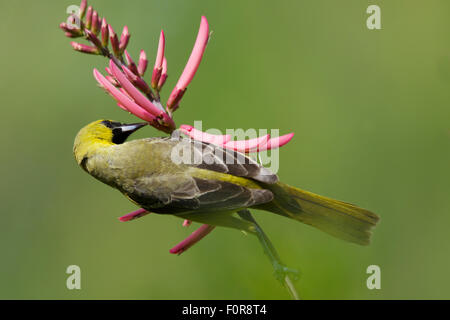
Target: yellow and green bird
150	174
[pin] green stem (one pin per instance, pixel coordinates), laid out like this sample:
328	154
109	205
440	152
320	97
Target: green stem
281	271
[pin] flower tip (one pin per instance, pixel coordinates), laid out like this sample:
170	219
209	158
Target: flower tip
176	250
196	55
186	128
142	55
124	39
89	17
187	223
133	215
83	6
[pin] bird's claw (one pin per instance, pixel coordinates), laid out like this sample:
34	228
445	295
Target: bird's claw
281	271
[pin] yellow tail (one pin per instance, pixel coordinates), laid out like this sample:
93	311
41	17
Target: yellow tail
340	219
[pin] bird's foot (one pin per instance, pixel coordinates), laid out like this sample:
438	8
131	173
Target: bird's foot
281	271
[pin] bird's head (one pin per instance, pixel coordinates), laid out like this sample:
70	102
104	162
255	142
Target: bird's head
102	133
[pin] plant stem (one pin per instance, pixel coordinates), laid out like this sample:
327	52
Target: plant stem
281	271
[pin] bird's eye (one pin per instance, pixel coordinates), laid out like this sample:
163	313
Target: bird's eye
111	124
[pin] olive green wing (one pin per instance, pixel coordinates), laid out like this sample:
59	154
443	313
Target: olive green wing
218	159
184	194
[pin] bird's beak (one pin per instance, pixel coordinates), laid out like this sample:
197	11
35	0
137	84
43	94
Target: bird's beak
123	131
132	127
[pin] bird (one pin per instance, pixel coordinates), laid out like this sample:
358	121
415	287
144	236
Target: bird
205	183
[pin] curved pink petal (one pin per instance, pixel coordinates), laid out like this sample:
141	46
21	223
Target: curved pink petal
130	63
137	96
277	142
196	55
137	81
195	237
122	99
203	136
122	107
246	146
134	215
193	62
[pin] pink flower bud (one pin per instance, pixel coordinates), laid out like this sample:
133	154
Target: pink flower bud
83	6
130	63
95	28
157	69
136	80
93	38
114	41
143	62
89	17
75	32
70	35
124	38
105	33
187	223
84	48
163	77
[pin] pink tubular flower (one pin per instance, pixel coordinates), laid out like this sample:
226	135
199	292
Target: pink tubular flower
134	215
187	223
136	80
203	136
157	69
195	237
192	64
134	93
277	142
123	99
245	146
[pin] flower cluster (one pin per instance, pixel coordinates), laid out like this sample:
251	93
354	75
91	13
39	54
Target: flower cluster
125	83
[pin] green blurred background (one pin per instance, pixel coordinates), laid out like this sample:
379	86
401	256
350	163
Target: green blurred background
370	112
